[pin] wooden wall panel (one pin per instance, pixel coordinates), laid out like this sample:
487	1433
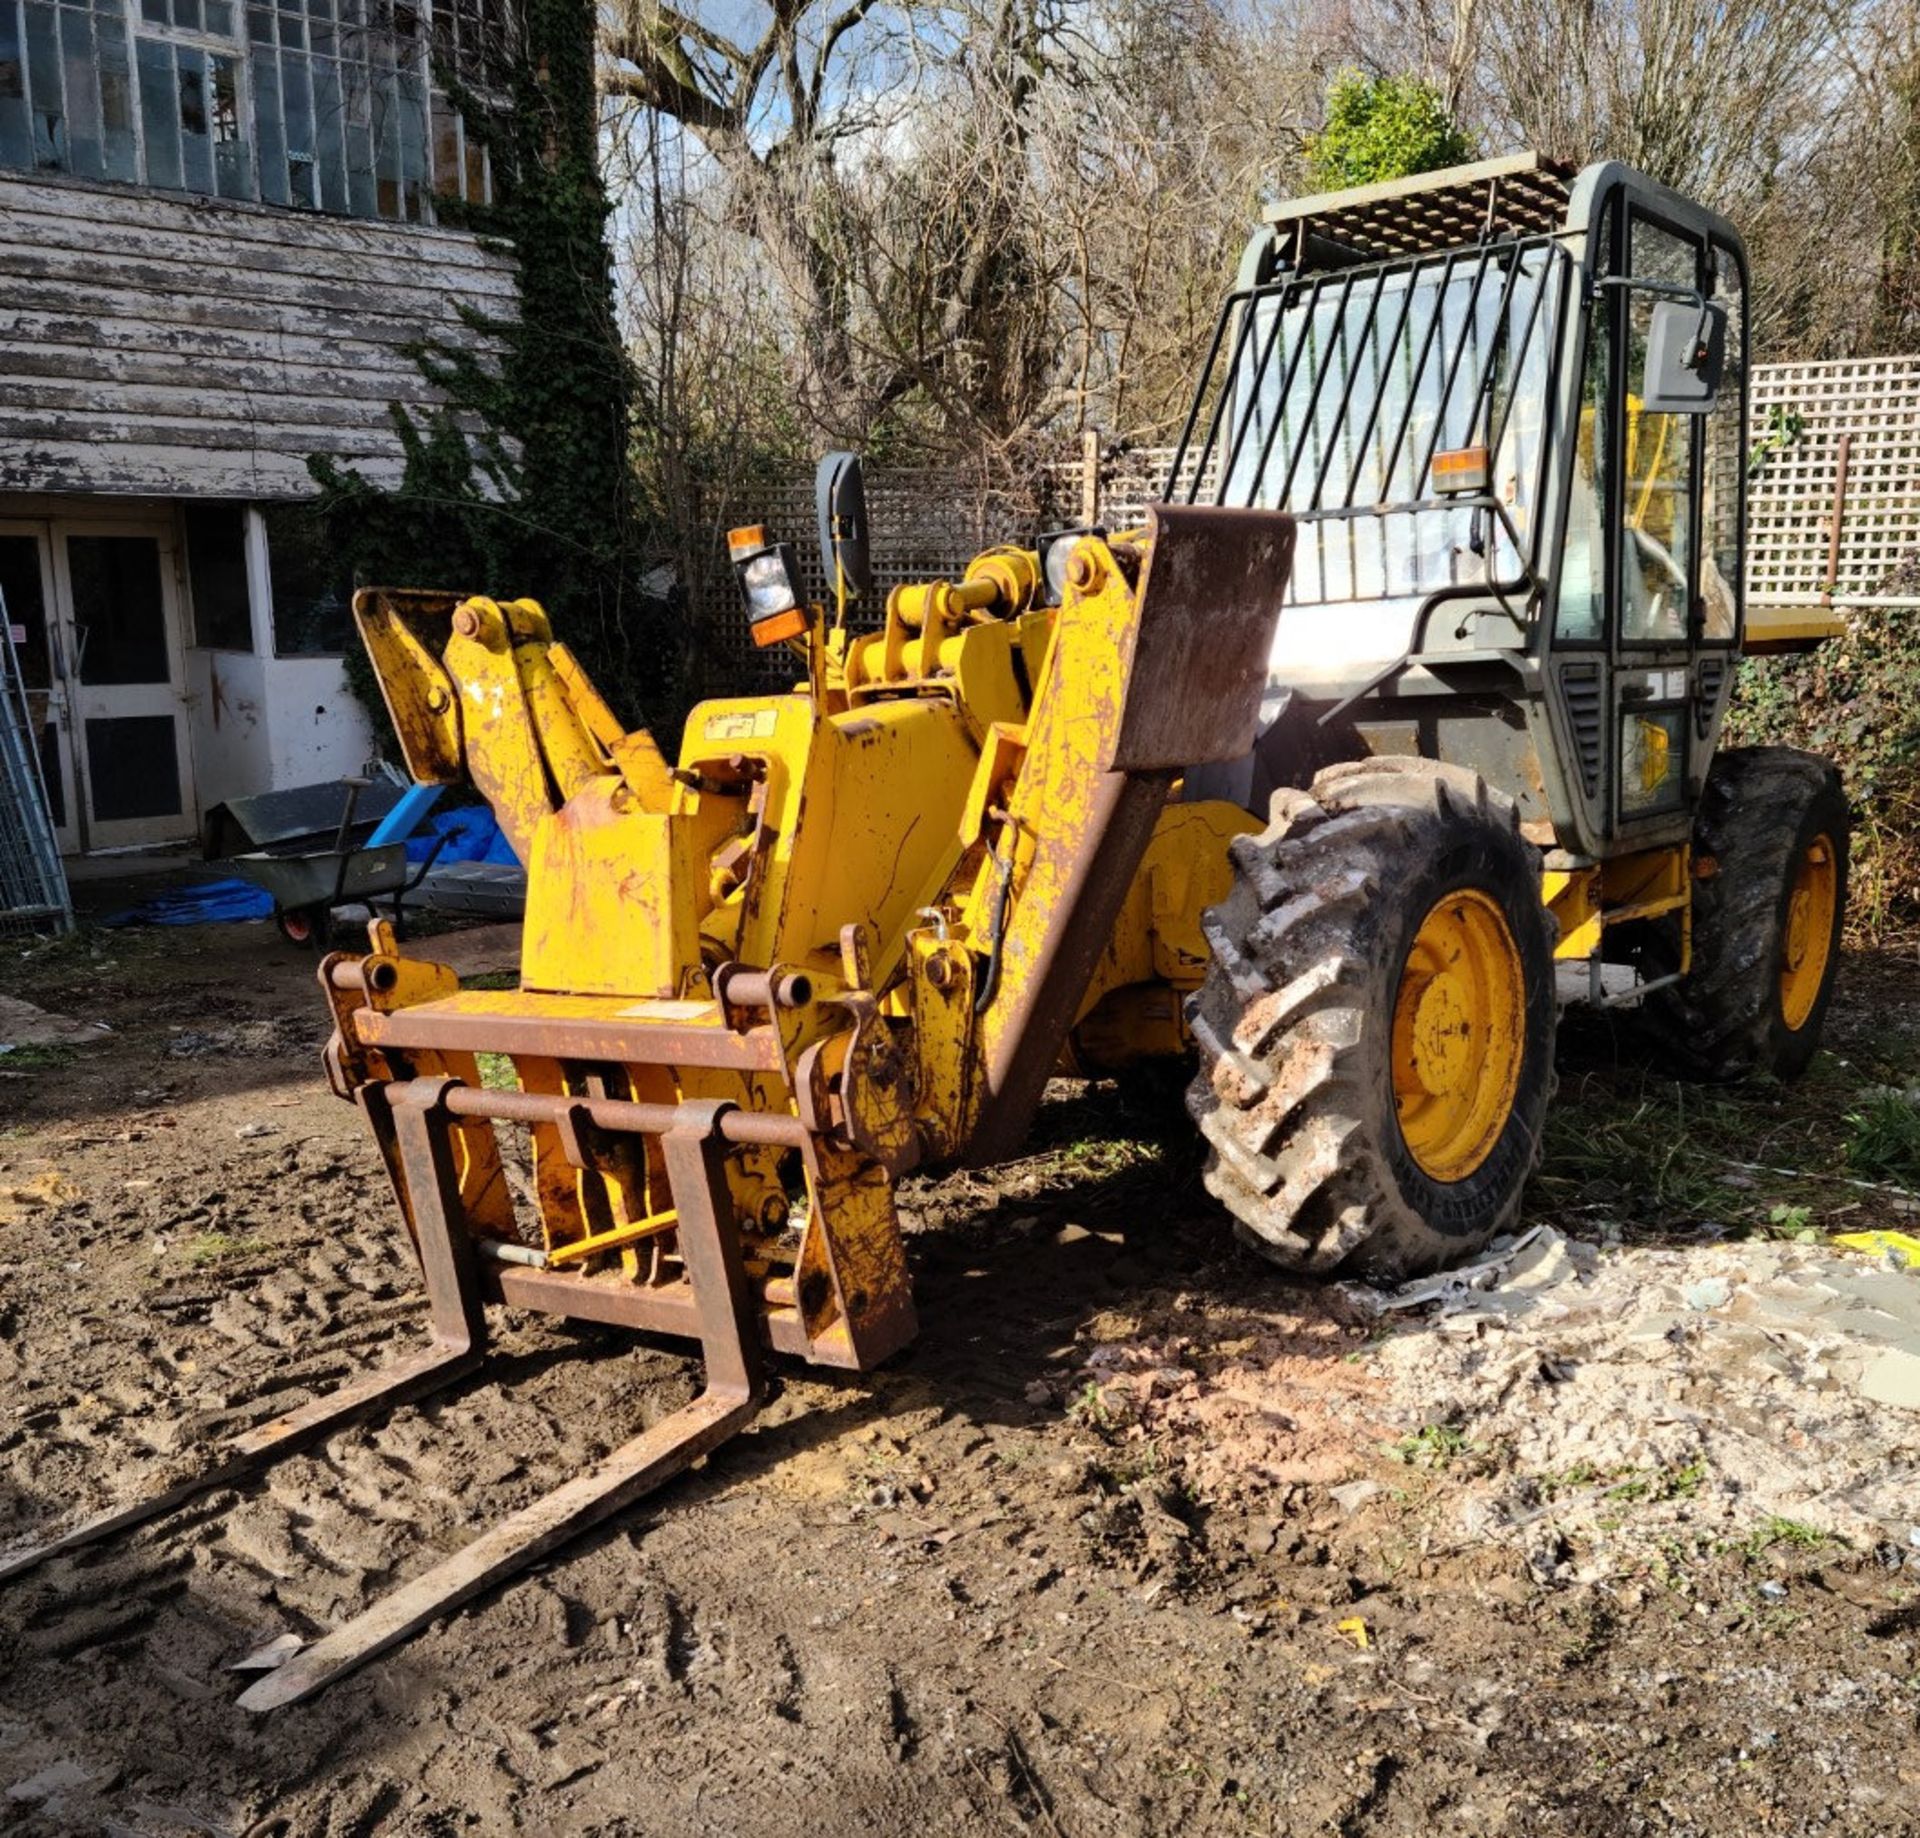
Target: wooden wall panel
188	347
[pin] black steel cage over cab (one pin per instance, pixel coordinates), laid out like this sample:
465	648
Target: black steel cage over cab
1446	381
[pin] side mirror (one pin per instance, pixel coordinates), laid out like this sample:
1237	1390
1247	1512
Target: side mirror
840	493
1686	350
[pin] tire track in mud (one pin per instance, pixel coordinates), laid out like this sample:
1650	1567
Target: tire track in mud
323	1534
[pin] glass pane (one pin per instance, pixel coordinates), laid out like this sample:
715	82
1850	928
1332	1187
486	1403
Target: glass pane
232	158
359	138
16	127
478	191
217	575
1657	567
312	587
1583	558
24	591
196	141
154	12
329	148
446	148
133	767
271	134
298	105
119	615
116	100
220	18
159	111
49	103
413	143
1653	756
83	93
386	136
186	15
1725	465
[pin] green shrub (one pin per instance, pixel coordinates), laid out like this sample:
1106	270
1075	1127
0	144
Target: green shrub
1383	128
1856	700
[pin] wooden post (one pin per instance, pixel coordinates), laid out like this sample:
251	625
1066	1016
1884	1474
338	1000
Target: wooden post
1090	477
1839	517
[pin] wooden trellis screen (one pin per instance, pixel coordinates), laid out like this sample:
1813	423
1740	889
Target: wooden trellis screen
1834	495
1834	504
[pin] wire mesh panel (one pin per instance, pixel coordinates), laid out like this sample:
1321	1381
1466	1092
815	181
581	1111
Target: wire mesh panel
33	885
925	524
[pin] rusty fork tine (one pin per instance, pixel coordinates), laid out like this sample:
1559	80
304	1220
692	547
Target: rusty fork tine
734	1387
459	1343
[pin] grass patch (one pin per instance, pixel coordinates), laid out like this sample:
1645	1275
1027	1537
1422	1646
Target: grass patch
1654	1159
37	1058
1656	1485
221	1247
1090	1408
496	1072
1792	1534
1433	1445
492	979
1883	1139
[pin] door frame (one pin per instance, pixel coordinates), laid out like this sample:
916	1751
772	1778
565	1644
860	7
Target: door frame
171	697
39	531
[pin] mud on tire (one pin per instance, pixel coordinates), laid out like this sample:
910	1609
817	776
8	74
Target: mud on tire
1295	1022
1762	810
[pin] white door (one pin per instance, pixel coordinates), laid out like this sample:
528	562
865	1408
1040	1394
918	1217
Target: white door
122	655
26	585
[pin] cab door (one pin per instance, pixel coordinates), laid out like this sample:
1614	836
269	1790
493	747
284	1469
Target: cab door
1676	613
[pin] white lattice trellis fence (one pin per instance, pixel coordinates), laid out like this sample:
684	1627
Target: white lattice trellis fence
1834	497
1834	501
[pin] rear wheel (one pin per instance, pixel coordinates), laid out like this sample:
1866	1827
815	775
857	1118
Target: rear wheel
1769	898
1376	1027
306	926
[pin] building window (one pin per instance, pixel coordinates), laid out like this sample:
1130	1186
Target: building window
325	105
312	588
217	575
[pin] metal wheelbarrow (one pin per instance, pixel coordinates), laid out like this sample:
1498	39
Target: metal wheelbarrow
311	870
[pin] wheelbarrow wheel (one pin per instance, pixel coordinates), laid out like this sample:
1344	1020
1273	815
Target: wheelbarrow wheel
306	926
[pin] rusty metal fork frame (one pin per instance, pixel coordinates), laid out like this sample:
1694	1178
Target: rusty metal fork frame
735	1384
458	1321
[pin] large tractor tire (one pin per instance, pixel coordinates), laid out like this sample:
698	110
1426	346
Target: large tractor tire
1770	844
1376	1027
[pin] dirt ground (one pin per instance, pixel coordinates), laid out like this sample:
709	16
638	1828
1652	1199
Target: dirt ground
1138	1538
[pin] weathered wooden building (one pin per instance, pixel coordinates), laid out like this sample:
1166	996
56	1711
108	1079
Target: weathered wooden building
217	244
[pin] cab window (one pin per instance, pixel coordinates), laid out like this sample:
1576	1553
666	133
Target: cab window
1659	509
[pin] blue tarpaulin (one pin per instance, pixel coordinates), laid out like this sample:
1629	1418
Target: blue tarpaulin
472	836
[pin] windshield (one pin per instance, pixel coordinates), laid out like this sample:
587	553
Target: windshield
1339	390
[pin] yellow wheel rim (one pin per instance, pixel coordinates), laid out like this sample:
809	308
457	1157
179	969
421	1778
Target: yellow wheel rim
1459	1034
1808	942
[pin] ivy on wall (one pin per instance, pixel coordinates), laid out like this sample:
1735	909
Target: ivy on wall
520	483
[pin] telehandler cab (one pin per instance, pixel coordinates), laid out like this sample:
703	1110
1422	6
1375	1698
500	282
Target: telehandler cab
1403	700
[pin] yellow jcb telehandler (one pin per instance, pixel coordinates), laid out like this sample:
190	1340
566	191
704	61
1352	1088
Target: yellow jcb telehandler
1401	705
